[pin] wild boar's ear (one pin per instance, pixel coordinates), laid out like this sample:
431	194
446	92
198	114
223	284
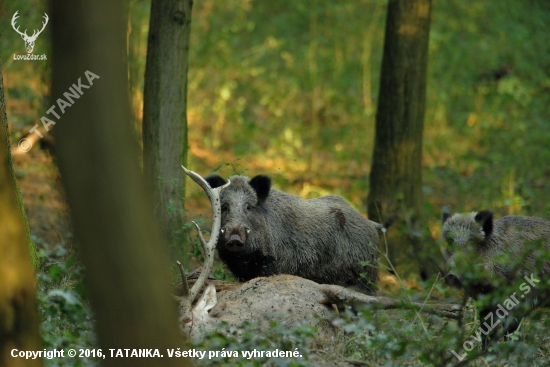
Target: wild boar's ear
446	213
485	219
261	184
214	180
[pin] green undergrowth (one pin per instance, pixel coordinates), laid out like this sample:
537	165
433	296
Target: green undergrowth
384	338
371	337
67	319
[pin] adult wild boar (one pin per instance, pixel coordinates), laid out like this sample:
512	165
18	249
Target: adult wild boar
504	251
265	232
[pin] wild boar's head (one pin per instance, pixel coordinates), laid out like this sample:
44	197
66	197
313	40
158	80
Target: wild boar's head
242	210
466	232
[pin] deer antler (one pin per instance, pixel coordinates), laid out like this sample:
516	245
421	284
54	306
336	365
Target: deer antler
24	34
183	280
13	19
209	247
29	40
35	34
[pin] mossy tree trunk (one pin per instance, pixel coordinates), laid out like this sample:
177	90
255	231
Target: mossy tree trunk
3	116
396	175
19	321
127	272
165	116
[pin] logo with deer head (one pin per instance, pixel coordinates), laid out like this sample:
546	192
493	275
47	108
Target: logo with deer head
29	40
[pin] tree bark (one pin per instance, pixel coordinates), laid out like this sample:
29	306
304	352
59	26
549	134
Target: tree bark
396	175
3	116
127	272
19	321
165	116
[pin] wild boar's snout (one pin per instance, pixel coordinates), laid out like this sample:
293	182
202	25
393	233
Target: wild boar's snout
235	243
235	238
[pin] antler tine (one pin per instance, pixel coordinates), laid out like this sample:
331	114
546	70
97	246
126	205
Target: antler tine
46	18
202	182
37	32
184	281
13	19
209	247
201	238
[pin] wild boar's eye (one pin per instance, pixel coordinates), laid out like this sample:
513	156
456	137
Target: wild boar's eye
247	206
224	207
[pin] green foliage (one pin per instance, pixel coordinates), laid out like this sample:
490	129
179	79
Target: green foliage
278	83
67	321
301	88
488	100
245	337
386	338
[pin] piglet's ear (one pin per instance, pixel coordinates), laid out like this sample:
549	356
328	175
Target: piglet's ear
261	184
446	213
214	180
485	219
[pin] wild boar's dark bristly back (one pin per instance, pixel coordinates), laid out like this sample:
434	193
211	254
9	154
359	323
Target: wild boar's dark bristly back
266	231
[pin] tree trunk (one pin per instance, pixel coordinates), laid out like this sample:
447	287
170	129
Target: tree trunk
3	116
127	272
165	116
396	179
19	321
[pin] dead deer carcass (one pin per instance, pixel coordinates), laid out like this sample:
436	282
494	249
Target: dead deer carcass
286	299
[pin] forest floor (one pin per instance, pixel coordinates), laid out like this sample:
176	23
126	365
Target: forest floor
43	197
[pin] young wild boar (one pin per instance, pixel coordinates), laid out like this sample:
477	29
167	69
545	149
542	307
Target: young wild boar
266	232
505	250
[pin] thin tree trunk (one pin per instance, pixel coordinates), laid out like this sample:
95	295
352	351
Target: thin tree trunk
19	321
396	175
126	266
165	115
3	116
